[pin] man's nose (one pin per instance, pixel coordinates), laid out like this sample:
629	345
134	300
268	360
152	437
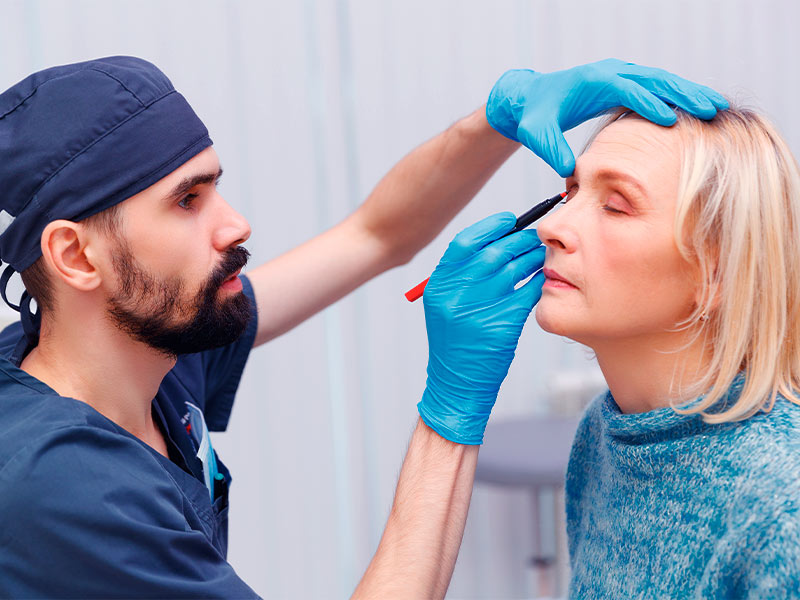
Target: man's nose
231	229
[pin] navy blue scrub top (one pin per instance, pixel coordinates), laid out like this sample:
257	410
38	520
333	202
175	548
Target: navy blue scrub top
87	510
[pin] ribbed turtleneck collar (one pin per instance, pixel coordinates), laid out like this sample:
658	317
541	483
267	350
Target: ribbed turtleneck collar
662	423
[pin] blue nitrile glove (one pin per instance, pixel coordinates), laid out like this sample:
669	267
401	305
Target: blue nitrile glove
474	317
536	108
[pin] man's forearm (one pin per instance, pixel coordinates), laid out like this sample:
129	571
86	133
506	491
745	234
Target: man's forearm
429	186
418	550
404	212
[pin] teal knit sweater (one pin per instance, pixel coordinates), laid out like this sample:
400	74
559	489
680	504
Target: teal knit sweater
661	505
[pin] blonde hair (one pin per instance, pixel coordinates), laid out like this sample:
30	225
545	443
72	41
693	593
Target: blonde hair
738	221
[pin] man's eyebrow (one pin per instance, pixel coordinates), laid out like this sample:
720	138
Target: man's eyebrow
189	182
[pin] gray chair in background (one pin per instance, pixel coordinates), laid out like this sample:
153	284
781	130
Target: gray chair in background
533	453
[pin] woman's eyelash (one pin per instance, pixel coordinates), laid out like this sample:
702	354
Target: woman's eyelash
574	188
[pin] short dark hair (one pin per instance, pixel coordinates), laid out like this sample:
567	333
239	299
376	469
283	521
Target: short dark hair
36	278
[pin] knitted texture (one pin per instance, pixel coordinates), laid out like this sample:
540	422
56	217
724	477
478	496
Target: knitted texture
662	505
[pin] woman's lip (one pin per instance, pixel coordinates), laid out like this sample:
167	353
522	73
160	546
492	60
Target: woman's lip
554	276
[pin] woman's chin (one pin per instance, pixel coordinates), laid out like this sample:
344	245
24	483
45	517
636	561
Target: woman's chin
551	323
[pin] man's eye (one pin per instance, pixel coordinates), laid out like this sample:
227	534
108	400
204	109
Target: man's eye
186	201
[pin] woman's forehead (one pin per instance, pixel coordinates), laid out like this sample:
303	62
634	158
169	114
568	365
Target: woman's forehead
636	158
635	147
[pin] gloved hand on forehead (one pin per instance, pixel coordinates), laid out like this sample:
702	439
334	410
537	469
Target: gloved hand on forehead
536	108
474	318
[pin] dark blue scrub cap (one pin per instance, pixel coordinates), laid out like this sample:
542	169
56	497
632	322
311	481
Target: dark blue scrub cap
79	138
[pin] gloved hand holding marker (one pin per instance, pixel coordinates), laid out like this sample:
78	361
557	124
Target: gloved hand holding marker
537	212
474	317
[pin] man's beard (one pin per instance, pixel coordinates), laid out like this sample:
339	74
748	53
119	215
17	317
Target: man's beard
147	308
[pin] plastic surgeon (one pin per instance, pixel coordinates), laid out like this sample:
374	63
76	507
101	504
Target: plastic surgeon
472	329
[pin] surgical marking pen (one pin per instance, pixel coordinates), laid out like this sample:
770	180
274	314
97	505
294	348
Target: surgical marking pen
534	214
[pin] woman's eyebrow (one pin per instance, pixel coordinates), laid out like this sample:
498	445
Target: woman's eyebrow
609	174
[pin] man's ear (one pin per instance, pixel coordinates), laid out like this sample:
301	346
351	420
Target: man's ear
65	248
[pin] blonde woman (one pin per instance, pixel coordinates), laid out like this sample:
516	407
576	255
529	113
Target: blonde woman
676	258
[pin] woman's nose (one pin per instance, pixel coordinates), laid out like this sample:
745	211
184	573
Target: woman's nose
555	230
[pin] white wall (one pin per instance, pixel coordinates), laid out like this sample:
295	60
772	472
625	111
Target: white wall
310	103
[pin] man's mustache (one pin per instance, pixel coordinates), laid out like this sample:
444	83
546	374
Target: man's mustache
233	260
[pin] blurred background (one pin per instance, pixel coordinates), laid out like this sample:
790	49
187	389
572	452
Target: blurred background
309	103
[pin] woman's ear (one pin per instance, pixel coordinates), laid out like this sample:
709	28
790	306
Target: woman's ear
65	248
712	297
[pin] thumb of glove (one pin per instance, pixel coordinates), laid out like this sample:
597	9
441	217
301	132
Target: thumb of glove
549	144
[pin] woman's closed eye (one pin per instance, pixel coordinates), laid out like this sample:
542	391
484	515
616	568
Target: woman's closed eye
613	204
616	204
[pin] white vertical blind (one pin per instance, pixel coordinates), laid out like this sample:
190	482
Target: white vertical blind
309	104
